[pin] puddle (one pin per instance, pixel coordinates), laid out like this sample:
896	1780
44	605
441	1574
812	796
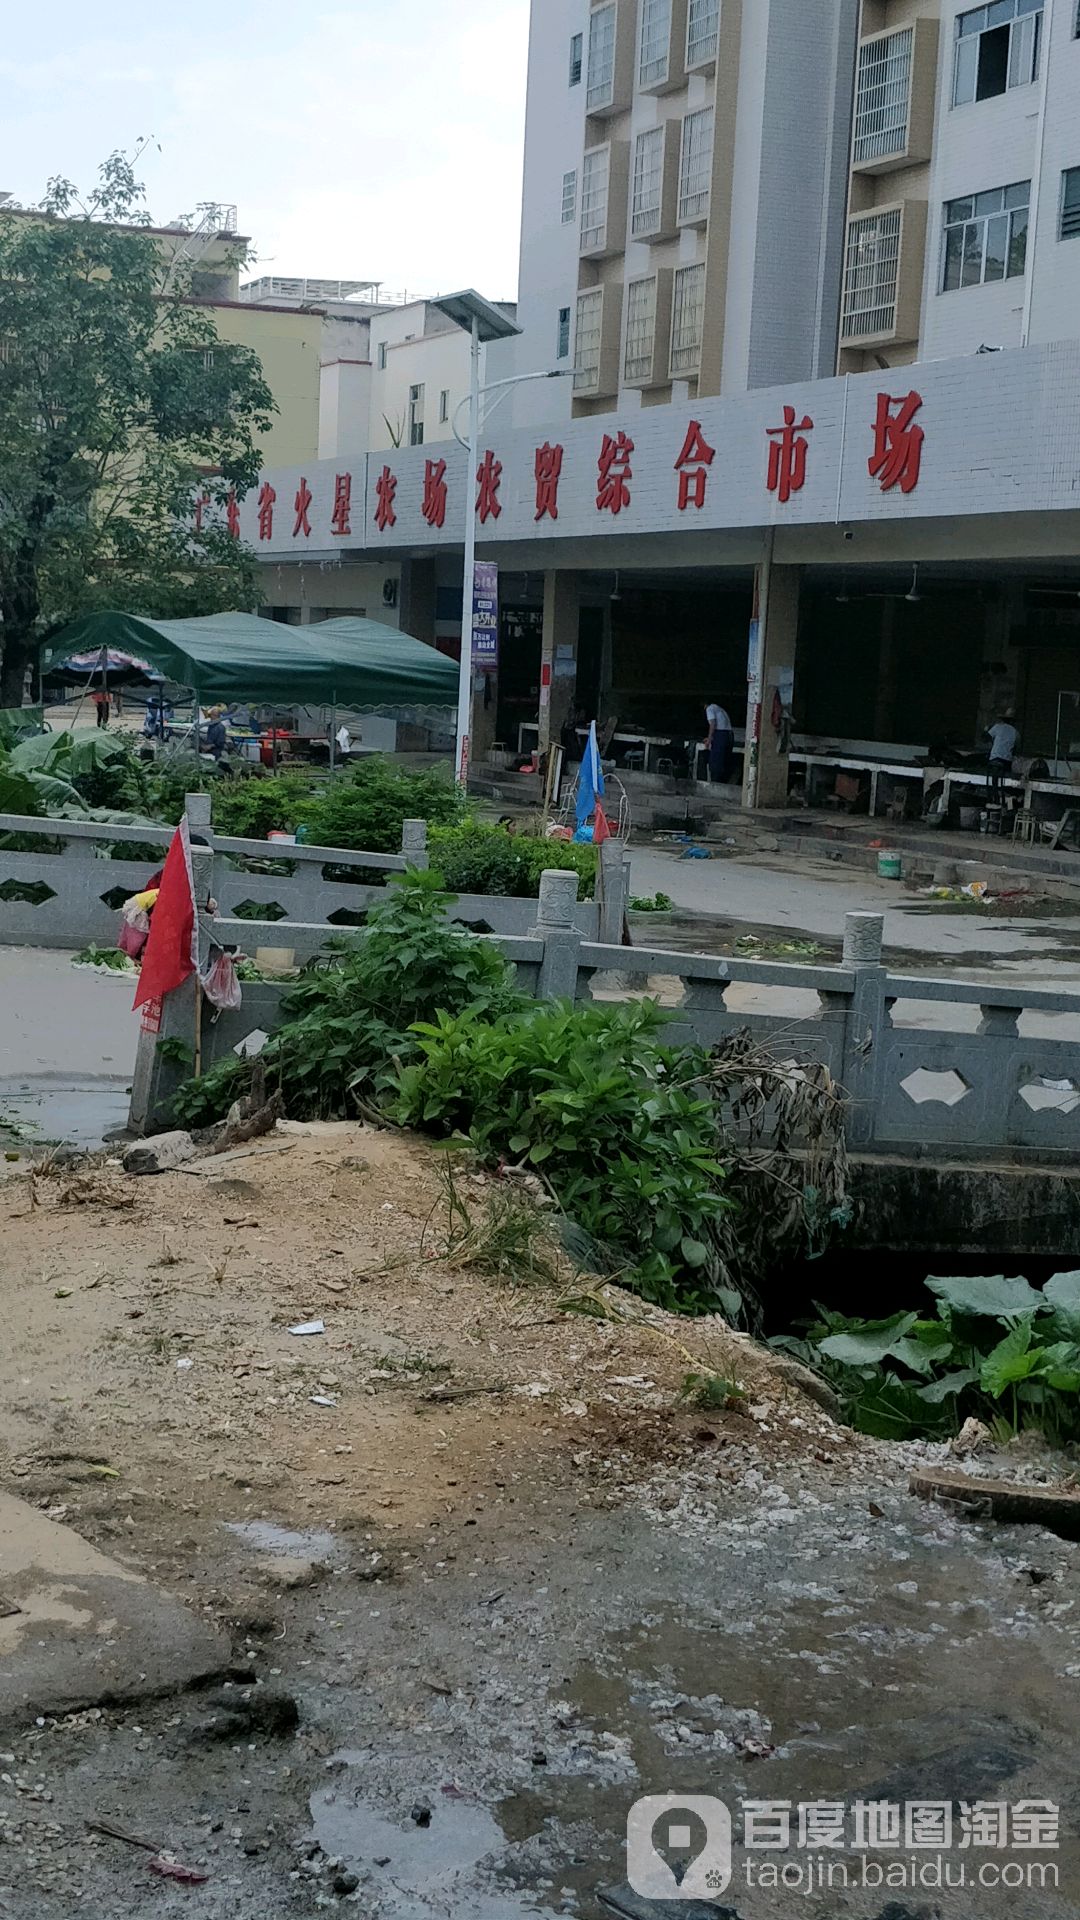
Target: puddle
262	1536
50	1108
411	1872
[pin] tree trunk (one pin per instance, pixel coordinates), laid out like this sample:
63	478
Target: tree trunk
17	656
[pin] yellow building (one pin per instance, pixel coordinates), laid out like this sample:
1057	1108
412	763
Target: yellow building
288	344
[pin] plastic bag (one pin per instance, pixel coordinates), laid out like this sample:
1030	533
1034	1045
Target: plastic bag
134	929
220	984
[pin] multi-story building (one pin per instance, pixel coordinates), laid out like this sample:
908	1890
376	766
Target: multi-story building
394	371
745	222
965	180
685	188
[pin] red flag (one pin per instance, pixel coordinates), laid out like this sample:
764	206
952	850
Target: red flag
601	826
171	952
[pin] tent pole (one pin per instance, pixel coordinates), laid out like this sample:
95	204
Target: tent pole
195	720
333	732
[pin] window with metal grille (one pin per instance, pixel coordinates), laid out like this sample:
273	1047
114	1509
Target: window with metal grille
883	95
1070	204
985	236
702	31
444	406
600	91
590	317
594	199
687	318
647	191
695	164
997	47
562	345
569	197
654	51
577	48
870	274
640	329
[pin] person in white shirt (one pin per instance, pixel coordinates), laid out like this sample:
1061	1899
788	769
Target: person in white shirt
1004	740
720	743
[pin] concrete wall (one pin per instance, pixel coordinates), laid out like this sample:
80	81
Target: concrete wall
289	347
330	588
548	274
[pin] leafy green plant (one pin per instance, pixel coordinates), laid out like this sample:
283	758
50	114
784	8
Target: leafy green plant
997	1348
108	957
364	812
250	807
175	1051
651	903
713	1393
348	1022
475	856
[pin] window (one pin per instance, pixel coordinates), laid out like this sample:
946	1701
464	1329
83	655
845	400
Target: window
444	406
380	356
654	53
645	201
1070	204
590	315
871	266
695	165
640	329
416	416
985	237
702	31
997	47
562	350
594	199
882	94
687	316
569	198
601	88
577	48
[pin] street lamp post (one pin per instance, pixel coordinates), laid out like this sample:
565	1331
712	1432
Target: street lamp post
483	322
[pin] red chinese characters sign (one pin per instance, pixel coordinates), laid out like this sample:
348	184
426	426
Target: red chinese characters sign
788	448
692	467
385	490
898	443
302	507
434	503
340	518
488	479
265	506
614	474
548	472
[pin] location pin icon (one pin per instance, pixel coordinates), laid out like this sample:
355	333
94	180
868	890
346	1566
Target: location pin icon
680	1836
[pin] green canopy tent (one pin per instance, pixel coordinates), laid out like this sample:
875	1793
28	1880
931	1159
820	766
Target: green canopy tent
235	656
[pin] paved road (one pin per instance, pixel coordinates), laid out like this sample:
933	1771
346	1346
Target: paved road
814	897
67	1046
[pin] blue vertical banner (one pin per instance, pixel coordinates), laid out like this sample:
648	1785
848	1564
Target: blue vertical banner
485	637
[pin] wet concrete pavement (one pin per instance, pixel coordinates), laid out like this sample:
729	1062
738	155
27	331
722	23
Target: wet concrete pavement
67	1048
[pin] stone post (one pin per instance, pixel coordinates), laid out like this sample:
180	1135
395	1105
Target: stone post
772	663
615	891
867	1020
562	619
414	843
562	940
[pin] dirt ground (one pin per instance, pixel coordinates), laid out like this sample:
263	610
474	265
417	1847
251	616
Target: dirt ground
508	1577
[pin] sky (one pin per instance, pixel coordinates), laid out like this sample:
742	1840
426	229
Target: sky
379	140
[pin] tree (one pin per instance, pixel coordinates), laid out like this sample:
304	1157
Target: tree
120	409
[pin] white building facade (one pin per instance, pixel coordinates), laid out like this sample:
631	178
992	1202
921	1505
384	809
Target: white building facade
814	270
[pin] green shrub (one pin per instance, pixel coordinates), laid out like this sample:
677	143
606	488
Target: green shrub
365	811
348	1021
476	857
996	1348
613	1119
249	807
